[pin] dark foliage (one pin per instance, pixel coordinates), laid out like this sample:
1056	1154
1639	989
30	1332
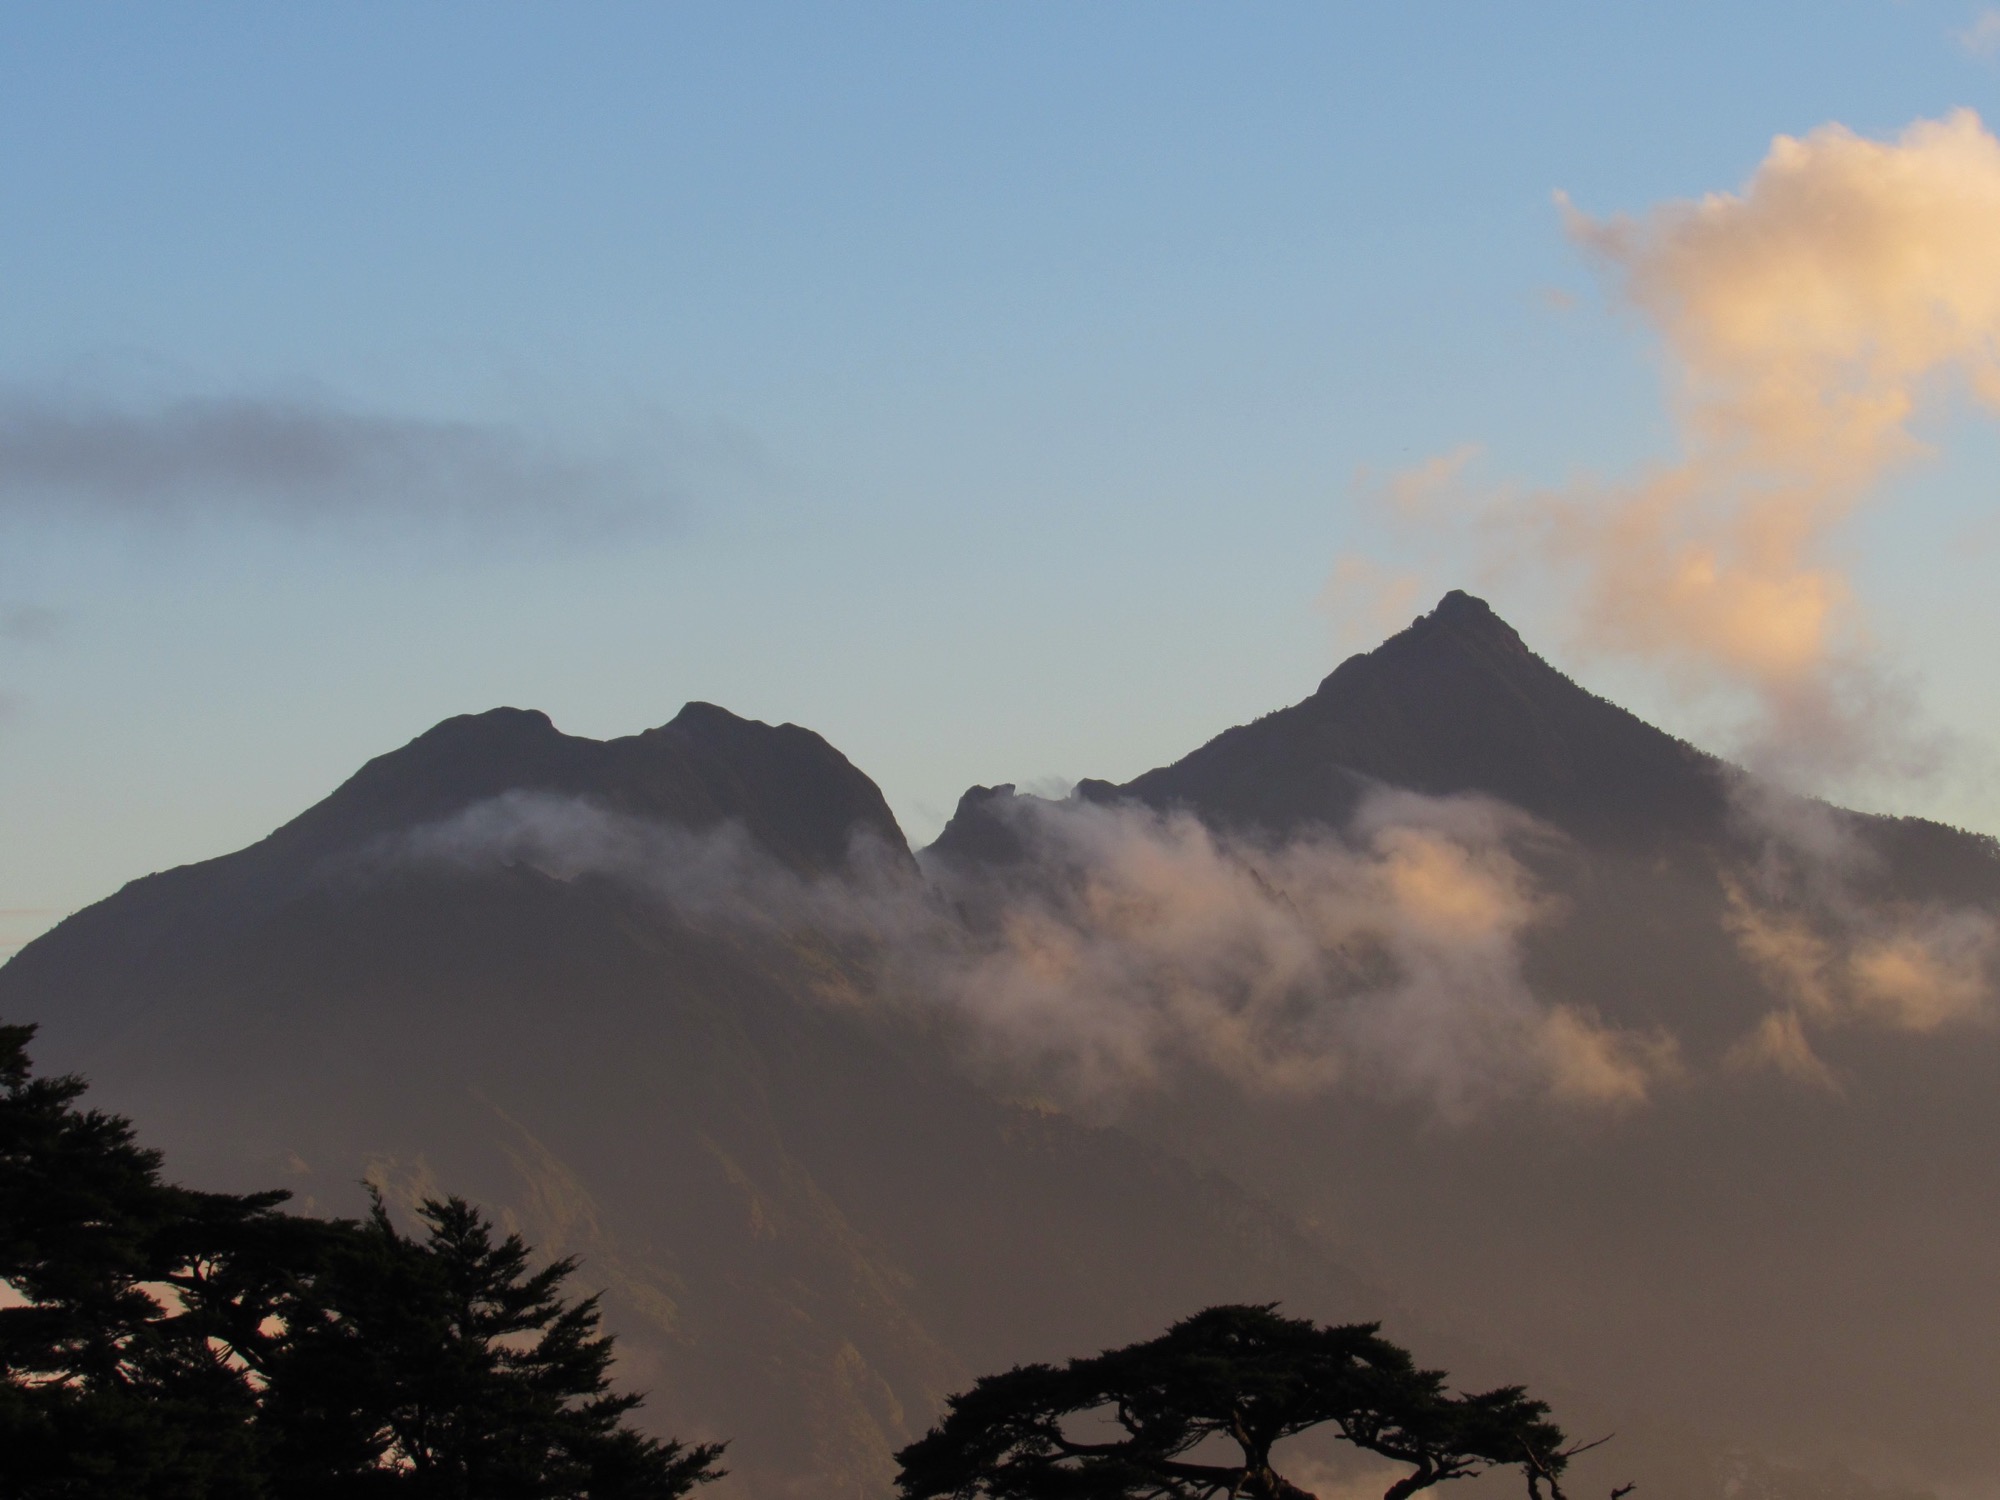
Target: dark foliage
165	1344
118	1379
1128	1424
445	1367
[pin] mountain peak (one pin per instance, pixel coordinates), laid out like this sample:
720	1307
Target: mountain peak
1462	622
1455	703
1457	604
979	832
1466	614
704	719
796	794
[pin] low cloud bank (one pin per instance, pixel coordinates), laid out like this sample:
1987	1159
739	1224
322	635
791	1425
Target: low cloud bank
1833	956
1132	947
1386	958
1125	950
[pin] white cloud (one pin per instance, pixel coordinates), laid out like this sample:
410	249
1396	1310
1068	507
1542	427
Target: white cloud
1831	955
1134	947
1981	37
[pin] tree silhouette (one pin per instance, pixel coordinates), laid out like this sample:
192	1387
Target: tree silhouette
166	1344
114	1382
1131	1423
446	1367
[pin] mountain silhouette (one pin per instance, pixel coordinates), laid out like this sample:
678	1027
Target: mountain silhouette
808	1227
814	1217
1457	703
795	794
1454	703
1802	1255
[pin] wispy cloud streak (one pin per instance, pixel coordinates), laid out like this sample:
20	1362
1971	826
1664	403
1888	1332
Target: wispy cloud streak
1981	37
289	459
1833	955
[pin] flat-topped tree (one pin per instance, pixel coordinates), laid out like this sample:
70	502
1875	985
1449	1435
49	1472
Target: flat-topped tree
1131	1423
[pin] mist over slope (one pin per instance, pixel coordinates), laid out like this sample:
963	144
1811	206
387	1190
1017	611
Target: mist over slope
810	1229
1451	994
1785	1229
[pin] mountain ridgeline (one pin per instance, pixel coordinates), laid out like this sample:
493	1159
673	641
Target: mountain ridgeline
816	1207
1454	704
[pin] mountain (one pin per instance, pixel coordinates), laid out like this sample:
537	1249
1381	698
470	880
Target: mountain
1455	703
809	1228
1458	703
1652	831
685	1004
797	796
1793	1243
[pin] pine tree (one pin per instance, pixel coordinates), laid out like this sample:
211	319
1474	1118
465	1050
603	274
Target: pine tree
110	1382
444	1367
166	1344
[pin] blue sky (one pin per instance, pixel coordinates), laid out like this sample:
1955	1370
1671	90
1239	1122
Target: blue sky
982	386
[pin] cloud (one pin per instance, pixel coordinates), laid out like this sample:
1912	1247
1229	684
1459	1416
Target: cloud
1807	319
1981	38
1366	601
30	624
1925	971
1133	948
292	459
1778	1042
1386	959
1831	955
1415	493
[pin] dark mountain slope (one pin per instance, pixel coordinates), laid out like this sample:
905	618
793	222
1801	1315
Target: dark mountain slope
808	1227
1458	703
1797	1253
1454	703
799	798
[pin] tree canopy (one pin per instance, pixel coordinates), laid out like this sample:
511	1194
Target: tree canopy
1140	1423
167	1344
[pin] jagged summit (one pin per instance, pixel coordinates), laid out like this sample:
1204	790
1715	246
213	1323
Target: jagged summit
1455	703
1461	625
978	833
793	791
795	794
1471	622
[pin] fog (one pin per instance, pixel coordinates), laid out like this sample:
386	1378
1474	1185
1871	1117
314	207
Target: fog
1132	948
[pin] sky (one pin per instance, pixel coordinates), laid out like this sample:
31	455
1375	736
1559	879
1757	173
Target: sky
1009	393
